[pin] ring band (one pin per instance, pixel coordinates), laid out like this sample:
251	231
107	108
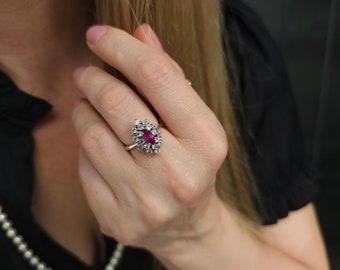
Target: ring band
146	137
129	147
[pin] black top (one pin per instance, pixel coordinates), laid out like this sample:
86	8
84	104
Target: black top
270	130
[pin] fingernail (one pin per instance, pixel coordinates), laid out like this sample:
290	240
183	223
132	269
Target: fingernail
95	33
77	71
155	38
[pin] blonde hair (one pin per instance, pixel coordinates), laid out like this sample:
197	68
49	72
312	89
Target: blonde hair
191	33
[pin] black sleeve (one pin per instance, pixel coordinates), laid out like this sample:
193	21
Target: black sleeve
270	127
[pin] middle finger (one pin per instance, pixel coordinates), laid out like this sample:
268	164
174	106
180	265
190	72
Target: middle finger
178	105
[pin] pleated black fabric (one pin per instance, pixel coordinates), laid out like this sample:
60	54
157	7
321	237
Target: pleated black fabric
270	125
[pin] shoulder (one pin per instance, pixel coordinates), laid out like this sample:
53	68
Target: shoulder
256	54
269	125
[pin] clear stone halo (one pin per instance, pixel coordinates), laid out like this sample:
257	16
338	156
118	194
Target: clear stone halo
146	136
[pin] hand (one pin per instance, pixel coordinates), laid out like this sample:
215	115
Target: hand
145	200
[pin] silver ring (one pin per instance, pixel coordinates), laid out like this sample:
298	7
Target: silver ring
146	137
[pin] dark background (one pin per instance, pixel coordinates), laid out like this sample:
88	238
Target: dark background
308	32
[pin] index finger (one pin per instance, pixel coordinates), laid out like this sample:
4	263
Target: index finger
155	76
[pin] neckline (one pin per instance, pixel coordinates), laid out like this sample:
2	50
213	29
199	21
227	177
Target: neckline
18	107
24	249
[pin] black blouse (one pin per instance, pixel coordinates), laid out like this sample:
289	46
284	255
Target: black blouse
269	126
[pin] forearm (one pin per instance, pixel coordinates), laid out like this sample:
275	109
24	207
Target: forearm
228	246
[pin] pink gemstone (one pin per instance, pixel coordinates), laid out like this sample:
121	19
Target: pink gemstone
148	137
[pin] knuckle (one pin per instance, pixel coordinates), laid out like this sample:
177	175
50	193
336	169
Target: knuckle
219	148
178	68
123	235
157	216
91	135
215	147
106	229
127	238
157	70
126	235
86	75
115	100
188	192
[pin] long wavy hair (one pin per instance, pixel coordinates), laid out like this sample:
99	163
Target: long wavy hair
193	34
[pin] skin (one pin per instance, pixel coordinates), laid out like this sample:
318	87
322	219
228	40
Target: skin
166	203
34	44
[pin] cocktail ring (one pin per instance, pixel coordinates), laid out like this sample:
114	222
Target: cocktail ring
146	137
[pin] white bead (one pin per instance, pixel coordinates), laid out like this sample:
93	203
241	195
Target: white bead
11	233
114	261
120	247
34	260
17	240
117	254
3	217
22	247
28	254
6	225
41	266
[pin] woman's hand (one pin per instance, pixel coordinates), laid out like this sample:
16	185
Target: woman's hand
167	202
156	200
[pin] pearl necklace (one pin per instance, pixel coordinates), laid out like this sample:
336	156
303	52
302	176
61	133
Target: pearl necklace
30	256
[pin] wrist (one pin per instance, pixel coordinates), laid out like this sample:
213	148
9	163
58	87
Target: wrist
199	250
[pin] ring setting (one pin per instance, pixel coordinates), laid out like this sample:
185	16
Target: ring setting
146	137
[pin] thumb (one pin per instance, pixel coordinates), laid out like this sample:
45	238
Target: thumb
145	34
